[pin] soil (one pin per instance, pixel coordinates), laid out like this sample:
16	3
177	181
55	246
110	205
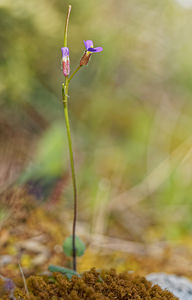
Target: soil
92	285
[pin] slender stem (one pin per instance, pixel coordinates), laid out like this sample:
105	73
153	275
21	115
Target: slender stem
65	88
65	103
78	68
66	26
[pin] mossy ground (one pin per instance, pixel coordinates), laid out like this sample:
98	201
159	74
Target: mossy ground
34	236
93	285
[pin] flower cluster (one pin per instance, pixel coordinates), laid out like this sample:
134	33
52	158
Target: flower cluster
84	60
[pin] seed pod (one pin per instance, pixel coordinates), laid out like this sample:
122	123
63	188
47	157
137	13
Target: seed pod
85	58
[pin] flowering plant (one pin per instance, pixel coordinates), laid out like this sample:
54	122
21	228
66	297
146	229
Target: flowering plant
72	246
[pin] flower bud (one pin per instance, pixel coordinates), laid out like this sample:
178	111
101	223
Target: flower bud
65	61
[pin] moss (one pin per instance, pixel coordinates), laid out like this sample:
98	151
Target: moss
92	286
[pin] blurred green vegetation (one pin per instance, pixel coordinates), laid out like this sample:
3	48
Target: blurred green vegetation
130	109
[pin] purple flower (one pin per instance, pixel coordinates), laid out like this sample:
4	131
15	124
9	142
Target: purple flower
89	47
65	61
9	285
89	50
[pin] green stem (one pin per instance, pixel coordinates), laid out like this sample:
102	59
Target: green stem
65	103
66	26
78	68
65	88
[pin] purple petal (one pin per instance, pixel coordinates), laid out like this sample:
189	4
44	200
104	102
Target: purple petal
88	44
9	284
65	51
96	49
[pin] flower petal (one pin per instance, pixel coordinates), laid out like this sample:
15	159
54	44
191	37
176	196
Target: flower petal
88	44
96	49
65	51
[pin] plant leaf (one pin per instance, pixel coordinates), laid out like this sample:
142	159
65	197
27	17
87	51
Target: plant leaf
67	272
68	248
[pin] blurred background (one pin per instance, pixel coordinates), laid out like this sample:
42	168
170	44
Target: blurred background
130	113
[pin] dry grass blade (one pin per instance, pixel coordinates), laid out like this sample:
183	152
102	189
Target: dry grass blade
24	281
115	244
